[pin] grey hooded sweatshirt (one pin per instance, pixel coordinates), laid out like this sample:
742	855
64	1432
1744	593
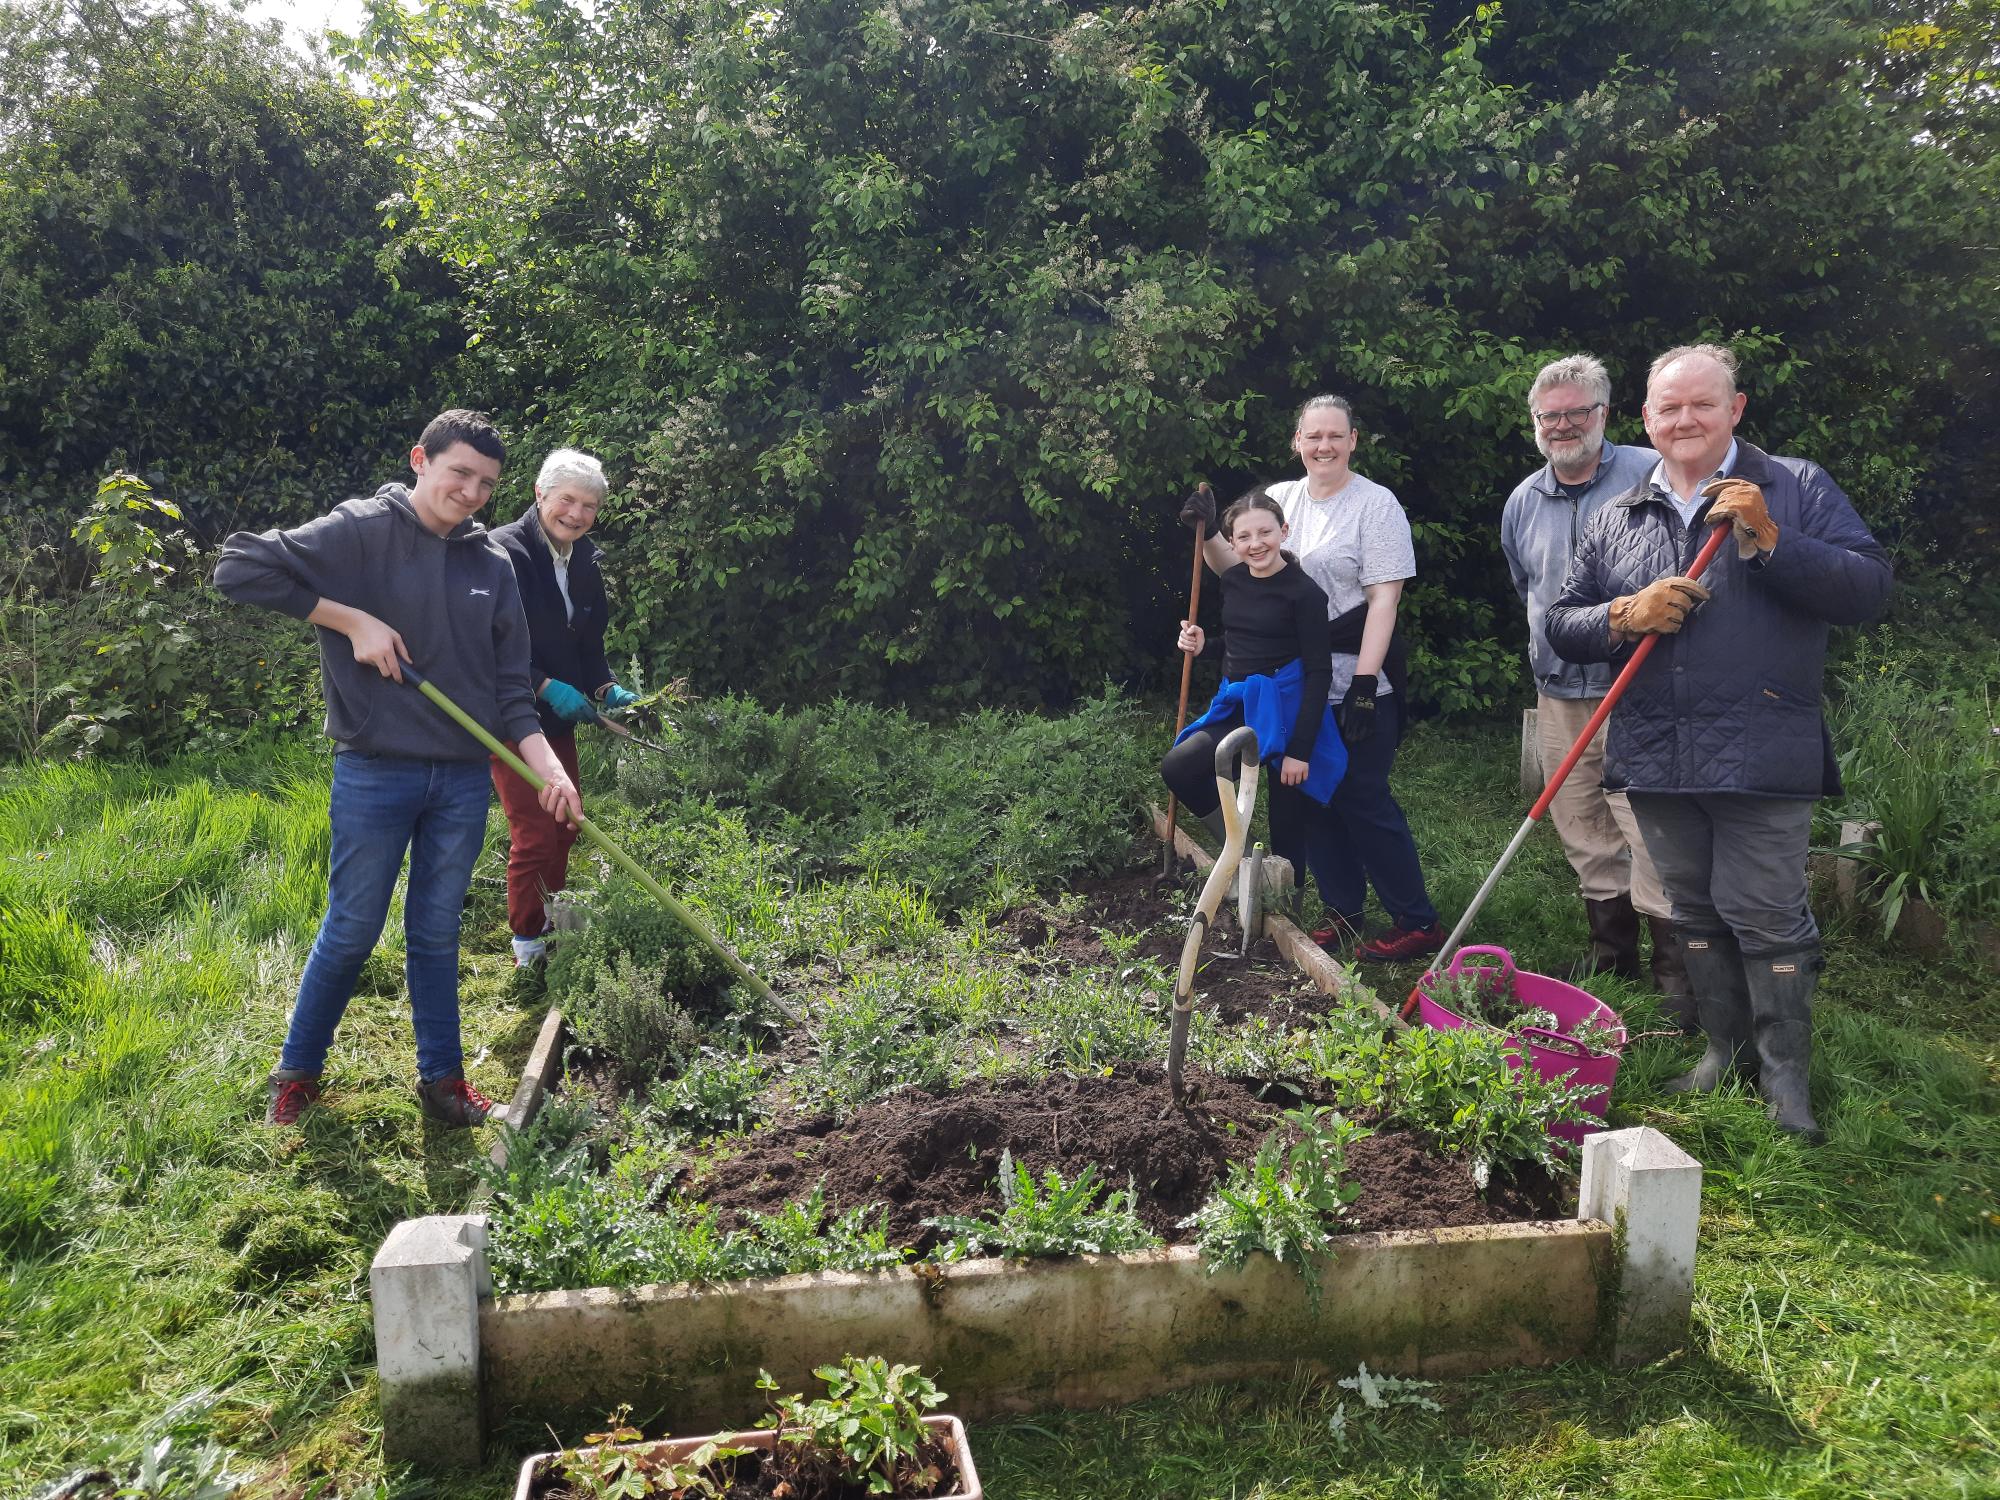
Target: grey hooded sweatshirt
453	600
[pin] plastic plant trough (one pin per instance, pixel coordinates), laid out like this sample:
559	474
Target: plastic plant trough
1552	1054
968	1487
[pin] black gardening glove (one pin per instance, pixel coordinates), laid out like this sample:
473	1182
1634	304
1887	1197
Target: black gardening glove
1199	509
1356	715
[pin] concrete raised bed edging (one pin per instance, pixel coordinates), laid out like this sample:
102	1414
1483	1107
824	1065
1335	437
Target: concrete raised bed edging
1003	1336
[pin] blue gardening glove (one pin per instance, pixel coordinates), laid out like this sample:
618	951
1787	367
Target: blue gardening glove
570	705
1356	714
614	696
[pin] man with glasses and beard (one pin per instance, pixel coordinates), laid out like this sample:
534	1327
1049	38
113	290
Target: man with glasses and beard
1567	407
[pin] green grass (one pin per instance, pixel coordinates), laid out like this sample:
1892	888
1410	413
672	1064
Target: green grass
160	1242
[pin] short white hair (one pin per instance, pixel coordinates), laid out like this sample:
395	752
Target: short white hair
1582	370
1720	354
572	466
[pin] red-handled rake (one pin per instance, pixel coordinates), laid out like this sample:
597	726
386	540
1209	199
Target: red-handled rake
1618	686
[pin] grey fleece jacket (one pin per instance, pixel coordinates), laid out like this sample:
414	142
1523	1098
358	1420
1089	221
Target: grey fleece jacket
452	599
1539	531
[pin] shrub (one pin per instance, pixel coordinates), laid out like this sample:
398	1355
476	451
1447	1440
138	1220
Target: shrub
946	807
626	1018
627	923
1921	756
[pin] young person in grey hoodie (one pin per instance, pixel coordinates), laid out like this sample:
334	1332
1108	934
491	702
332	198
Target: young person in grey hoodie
404	576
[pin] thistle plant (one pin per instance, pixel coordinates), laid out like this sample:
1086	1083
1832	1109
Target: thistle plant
1052	1217
1286	1202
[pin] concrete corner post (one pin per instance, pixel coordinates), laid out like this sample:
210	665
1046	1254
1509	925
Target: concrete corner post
1649	1191
426	1284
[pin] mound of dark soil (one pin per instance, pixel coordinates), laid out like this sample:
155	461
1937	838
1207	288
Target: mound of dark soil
920	1155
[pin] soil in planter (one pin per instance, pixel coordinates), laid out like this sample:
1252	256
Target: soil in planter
920	1155
789	1471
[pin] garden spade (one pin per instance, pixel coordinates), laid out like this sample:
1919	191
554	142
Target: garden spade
1187	672
1638	659
1238	802
599	837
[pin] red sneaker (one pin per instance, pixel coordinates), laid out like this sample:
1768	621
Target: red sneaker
1337	932
291	1095
452	1101
1401	944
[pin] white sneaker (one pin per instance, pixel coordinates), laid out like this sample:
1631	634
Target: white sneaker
529	951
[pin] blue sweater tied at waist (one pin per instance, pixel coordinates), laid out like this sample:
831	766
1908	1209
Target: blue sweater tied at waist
1269	704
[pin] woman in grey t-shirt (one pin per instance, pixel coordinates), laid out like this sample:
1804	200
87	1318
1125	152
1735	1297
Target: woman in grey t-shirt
1352	538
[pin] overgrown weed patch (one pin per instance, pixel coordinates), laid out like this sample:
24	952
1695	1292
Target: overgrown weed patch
1847	1335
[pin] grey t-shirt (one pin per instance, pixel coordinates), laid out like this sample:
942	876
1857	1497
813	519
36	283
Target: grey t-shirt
1355	537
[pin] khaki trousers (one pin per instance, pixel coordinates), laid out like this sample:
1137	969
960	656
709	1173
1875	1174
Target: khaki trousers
1597	829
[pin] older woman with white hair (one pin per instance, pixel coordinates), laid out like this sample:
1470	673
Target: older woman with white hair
562	593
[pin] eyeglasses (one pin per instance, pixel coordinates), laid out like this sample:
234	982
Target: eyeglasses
1576	416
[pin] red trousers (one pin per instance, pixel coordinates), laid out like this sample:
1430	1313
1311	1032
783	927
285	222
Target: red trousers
538	845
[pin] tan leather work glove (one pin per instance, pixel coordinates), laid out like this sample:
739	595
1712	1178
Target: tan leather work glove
1660	608
1741	504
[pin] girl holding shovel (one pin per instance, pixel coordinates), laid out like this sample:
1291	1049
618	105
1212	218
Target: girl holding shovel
1274	622
562	594
1353	541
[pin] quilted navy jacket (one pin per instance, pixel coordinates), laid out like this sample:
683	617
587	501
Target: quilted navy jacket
1732	702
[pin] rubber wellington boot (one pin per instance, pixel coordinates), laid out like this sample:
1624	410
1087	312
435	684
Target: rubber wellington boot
1614	938
1670	976
1722	1000
1212	821
1781	991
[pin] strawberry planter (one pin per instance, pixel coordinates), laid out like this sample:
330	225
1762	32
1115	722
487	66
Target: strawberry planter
540	1472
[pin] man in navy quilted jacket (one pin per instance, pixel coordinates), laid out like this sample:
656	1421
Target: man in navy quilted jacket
1719	742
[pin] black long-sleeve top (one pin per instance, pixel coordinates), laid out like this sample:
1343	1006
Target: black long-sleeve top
564	642
1267	622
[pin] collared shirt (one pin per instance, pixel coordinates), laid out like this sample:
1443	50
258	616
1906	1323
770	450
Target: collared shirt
560	556
1658	480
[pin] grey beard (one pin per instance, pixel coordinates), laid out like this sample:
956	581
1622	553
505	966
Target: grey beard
1583	461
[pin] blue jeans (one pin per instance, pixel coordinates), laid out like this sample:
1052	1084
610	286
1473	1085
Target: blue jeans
1361	836
382	806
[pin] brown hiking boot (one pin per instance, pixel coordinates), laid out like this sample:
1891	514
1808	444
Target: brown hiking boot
291	1093
452	1101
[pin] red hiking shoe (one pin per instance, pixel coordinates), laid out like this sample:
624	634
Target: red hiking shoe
1401	944
291	1094
454	1102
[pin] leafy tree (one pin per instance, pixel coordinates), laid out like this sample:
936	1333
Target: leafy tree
904	322
196	281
